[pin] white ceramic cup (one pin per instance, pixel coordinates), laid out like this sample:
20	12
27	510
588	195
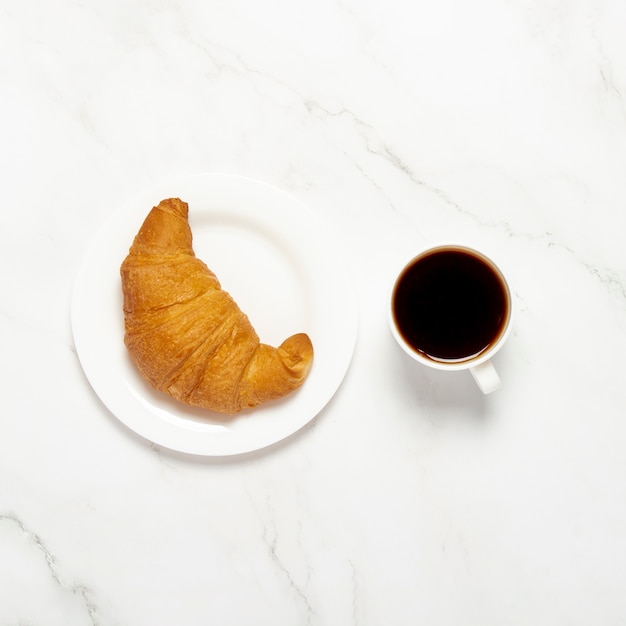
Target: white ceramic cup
479	363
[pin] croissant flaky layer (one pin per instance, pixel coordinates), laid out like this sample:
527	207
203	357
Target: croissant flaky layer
187	336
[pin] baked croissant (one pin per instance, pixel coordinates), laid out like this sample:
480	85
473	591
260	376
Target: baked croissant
187	336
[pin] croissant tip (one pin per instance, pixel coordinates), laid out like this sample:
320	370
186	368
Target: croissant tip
299	353
174	205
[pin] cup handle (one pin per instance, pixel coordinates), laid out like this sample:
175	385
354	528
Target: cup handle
486	377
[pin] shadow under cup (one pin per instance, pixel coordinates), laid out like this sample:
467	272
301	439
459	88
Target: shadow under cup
451	309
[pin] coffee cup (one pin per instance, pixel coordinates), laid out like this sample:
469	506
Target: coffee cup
450	309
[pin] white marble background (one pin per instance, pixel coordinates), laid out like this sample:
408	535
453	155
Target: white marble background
411	499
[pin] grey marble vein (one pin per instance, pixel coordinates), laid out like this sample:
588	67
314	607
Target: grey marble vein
76	589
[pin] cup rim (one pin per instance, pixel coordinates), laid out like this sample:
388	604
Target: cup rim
467	362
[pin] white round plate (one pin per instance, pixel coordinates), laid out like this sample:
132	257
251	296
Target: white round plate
283	269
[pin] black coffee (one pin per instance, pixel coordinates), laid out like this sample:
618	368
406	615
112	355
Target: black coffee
450	304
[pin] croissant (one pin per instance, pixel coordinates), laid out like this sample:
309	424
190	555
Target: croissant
187	336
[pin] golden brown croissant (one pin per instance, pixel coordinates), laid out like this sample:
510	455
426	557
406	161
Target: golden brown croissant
187	336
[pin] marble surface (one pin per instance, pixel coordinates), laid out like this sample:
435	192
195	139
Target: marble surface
411	498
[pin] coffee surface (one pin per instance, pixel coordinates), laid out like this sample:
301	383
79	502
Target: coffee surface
450	305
